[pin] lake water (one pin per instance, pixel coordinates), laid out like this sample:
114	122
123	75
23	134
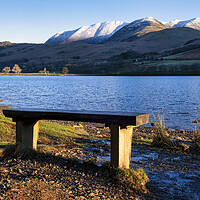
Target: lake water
178	96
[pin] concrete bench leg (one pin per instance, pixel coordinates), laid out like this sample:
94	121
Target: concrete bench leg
121	140
27	133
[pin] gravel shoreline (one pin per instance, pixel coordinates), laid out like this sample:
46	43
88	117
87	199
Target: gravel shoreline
141	132
57	178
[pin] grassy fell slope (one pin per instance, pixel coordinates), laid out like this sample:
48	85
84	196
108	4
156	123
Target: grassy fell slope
136	29
37	56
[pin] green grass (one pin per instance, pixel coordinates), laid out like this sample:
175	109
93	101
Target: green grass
49	133
56	133
134	178
7	131
142	141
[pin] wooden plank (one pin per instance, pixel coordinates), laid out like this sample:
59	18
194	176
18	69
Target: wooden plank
118	118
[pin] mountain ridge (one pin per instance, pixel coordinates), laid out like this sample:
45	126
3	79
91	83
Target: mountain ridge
118	30
137	28
191	23
98	32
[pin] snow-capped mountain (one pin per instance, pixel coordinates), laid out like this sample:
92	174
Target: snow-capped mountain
171	24
192	23
119	31
137	28
95	33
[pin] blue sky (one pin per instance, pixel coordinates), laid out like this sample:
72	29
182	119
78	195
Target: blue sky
37	20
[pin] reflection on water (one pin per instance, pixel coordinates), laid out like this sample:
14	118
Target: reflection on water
179	96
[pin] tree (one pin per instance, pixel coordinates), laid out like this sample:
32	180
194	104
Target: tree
6	70
16	69
44	71
65	70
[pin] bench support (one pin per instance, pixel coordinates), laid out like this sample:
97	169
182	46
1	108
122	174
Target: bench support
27	133
121	139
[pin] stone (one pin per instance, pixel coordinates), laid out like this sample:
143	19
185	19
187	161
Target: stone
184	144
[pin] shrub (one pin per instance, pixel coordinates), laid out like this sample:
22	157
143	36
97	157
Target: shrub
16	69
6	70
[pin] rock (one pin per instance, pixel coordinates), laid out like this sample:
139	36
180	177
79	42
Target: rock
91	194
196	121
184	144
15	190
179	130
154	124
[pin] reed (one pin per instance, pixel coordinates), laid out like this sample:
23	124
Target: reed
161	138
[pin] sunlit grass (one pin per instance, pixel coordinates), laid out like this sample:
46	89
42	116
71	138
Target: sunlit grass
142	141
56	133
135	178
49	133
7	130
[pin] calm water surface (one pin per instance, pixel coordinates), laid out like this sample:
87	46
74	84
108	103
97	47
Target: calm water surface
179	96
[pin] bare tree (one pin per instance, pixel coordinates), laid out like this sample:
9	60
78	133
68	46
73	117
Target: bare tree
65	70
16	69
44	71
6	70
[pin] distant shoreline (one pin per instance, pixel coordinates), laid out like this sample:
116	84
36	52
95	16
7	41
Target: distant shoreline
35	74
136	74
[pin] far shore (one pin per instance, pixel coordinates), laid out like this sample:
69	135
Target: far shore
36	74
136	74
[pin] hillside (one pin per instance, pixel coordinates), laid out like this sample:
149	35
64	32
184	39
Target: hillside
165	39
136	29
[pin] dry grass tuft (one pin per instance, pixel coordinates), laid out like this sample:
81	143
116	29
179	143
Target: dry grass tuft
196	130
161	139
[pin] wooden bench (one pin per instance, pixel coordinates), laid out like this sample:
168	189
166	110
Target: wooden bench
120	123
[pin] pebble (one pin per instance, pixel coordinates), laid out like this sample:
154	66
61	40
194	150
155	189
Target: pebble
62	181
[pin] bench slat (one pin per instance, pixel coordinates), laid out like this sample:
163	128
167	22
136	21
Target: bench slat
118	118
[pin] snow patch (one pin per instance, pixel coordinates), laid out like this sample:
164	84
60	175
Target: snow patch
99	30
